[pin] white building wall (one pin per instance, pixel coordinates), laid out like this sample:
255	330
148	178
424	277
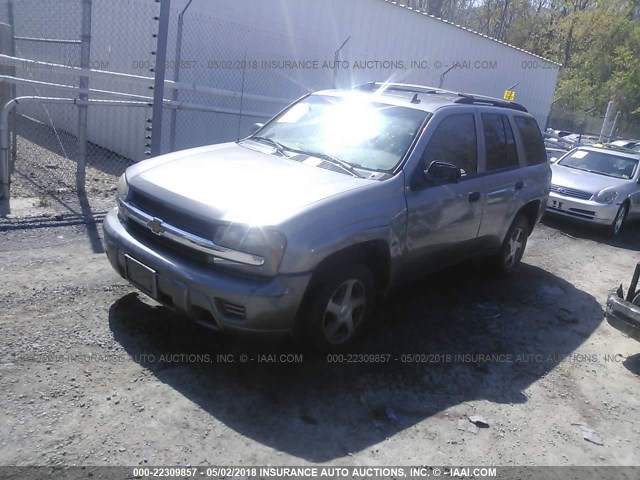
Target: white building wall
280	30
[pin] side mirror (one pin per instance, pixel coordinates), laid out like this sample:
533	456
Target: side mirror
256	127
553	159
443	172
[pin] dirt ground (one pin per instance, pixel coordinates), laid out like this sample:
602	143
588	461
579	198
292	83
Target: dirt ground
92	373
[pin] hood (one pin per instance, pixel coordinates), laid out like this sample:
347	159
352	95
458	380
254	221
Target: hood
234	183
581	180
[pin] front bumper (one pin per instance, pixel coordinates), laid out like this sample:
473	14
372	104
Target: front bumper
585	210
216	299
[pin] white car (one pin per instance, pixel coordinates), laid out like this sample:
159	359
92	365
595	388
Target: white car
597	185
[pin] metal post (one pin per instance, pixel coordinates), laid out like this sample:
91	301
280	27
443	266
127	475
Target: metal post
443	75
5	177
336	59
584	123
614	127
176	76
158	86
607	119
85	62
12	119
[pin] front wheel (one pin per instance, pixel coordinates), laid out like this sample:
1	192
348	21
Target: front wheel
508	258
616	226
336	312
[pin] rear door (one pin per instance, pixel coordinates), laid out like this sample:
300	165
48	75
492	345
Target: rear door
443	220
504	177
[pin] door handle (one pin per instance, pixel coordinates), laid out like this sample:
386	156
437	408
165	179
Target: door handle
474	196
519	185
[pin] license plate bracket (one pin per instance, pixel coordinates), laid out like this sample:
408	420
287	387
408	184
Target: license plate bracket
143	277
557	204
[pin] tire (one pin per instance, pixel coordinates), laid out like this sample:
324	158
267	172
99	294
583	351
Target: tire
507	261
616	226
338	307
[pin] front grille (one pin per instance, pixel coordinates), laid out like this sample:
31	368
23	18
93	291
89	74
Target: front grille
574	212
141	233
172	216
589	213
571	192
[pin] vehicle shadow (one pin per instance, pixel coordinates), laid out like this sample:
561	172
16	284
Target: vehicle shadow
629	237
327	407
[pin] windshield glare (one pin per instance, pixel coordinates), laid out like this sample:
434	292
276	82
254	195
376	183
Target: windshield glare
367	135
601	163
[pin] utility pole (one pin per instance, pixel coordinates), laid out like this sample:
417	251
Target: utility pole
607	120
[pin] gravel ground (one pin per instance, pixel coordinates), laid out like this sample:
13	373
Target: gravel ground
93	373
44	175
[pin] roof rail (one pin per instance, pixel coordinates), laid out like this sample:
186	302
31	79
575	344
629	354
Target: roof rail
468	99
463	98
399	87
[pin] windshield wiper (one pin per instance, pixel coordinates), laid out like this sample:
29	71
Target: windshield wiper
331	159
281	149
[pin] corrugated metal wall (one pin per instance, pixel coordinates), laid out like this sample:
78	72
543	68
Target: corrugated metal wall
279	30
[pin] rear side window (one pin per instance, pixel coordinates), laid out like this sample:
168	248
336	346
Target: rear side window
499	142
532	139
454	141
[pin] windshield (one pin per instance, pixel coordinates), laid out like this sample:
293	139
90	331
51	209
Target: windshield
366	135
601	163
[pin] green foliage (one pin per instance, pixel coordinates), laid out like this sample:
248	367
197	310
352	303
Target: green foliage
597	41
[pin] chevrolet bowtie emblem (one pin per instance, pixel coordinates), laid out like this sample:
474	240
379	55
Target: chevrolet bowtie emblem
156	227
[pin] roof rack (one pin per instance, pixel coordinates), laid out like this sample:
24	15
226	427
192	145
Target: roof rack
463	98
399	87
468	99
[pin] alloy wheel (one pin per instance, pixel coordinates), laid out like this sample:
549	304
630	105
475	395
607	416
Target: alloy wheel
344	311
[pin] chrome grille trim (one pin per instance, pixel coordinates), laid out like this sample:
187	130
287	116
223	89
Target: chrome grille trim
187	239
571	192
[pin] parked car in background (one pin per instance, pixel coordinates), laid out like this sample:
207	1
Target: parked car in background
554	154
632	144
551	140
342	196
598	185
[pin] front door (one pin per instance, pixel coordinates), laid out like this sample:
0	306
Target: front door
443	219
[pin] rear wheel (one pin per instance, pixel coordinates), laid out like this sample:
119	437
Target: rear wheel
513	246
616	226
338	308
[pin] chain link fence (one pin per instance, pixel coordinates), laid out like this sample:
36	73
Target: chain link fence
220	79
246	65
625	126
56	152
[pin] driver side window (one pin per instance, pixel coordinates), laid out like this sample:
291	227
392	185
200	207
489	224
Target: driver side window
454	141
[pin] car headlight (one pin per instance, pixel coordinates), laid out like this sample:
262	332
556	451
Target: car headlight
262	242
123	187
606	195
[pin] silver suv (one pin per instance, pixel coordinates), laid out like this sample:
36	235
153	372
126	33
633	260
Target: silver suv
343	195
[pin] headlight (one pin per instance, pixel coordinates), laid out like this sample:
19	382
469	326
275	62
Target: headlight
123	187
263	242
607	195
